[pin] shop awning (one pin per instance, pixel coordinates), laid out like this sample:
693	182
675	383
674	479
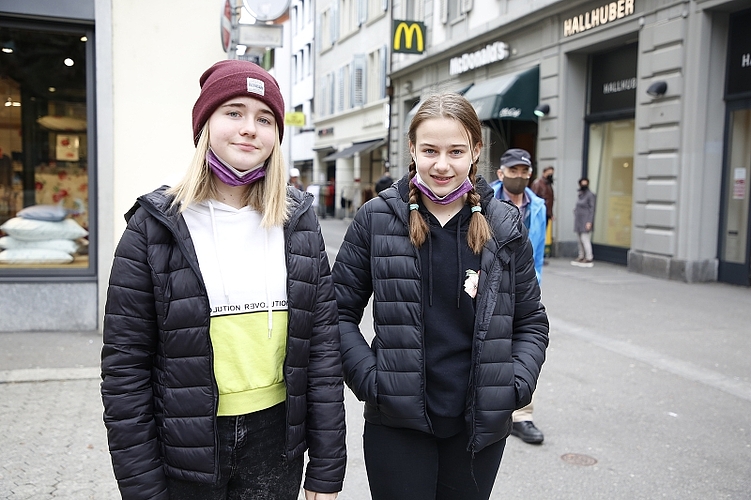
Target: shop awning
358	147
508	97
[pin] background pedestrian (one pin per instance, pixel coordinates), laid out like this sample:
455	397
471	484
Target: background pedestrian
543	187
513	178
584	219
384	182
294	178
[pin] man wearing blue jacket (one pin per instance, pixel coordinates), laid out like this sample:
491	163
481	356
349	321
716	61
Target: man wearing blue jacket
511	186
513	178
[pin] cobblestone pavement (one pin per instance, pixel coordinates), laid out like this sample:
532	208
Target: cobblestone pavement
53	442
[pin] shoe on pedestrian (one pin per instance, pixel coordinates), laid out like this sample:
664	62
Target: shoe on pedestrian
527	432
578	261
587	263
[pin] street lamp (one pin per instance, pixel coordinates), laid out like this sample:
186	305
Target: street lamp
658	88
542	110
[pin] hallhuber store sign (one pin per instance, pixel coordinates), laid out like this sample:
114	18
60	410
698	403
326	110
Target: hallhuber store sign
598	16
739	56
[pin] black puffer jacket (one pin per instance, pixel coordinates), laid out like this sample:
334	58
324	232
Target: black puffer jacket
511	326
158	387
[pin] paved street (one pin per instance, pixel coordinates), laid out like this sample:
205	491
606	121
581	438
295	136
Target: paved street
646	394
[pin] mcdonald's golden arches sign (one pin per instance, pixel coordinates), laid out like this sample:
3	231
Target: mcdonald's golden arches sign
408	37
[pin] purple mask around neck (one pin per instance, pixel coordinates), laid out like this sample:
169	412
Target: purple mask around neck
230	175
464	188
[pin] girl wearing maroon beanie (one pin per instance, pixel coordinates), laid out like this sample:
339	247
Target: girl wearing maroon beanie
221	362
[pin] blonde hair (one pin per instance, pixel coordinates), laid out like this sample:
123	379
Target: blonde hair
455	107
267	196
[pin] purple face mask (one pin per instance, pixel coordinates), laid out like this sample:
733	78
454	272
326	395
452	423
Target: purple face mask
464	188
230	175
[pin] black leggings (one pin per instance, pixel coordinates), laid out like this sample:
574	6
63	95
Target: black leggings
412	465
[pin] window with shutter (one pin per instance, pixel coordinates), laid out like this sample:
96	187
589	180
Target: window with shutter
332	93
384	71
358	80
340	90
334	22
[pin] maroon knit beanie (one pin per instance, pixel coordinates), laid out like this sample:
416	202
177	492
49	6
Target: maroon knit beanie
233	78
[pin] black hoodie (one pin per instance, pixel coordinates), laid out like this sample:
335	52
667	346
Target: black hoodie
448	319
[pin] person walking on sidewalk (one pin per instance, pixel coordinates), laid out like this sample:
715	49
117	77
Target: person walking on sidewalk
221	360
543	187
460	331
294	178
513	177
384	182
584	219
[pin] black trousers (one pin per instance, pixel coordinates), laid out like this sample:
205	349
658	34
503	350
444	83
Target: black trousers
404	464
251	461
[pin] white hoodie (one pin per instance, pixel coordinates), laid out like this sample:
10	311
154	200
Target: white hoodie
244	270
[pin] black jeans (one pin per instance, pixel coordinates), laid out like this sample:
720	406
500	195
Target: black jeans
251	461
405	464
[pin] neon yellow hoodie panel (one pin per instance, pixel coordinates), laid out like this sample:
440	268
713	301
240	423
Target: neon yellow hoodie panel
248	362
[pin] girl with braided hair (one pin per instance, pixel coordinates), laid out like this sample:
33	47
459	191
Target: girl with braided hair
460	332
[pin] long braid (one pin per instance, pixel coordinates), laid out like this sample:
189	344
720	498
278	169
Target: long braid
479	230
418	228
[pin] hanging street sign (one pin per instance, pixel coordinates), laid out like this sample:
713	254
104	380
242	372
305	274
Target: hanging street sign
260	35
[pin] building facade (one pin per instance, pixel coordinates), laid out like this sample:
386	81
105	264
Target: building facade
298	49
648	99
351	102
97	111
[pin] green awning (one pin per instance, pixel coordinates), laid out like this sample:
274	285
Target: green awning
508	97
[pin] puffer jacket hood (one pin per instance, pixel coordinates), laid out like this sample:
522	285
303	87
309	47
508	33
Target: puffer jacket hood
158	388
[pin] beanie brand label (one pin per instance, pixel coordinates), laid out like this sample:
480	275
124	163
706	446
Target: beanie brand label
256	86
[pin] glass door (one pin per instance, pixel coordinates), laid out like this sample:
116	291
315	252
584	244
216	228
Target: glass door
735	258
610	162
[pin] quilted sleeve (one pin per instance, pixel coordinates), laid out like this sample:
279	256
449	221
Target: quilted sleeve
130	338
530	336
353	284
326	433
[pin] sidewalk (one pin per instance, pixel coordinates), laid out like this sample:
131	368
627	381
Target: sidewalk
646	393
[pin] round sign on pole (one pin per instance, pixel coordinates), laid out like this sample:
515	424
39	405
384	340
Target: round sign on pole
266	10
226	26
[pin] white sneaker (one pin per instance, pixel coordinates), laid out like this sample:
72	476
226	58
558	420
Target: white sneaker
582	263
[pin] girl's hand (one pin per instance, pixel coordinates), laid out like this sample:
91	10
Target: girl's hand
312	495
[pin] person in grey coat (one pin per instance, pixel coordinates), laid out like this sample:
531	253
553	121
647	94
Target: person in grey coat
460	332
584	220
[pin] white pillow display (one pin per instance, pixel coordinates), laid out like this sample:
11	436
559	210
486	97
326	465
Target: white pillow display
53	213
36	230
67	246
34	256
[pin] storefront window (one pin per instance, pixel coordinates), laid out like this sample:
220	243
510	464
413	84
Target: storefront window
735	236
44	160
611	162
